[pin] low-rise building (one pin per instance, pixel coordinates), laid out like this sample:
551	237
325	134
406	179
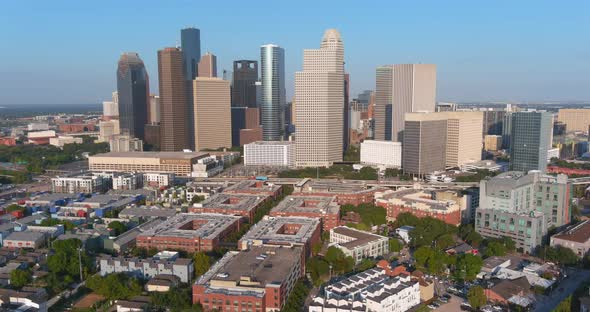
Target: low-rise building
505	292
404	232
162	283
158	179
189	232
60	141
346	192
231	204
148	268
359	244
322	207
40	137
203	189
207	167
26	299
287	231
489	165
259	279
421	203
25	239
128	240
270	153
146	212
372	290
385	154
127	181
575	237
255	187
83	183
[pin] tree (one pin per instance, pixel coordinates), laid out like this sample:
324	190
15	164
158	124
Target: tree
115	286
15	207
366	264
65	260
476	297
316	248
495	248
20	278
444	241
118	227
317	267
340	262
565	305
395	245
202	263
421	255
467	267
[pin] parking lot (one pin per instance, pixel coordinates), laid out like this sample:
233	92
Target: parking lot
453	305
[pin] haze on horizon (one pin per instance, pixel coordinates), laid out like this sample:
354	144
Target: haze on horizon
66	52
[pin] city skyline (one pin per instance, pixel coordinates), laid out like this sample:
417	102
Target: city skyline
487	61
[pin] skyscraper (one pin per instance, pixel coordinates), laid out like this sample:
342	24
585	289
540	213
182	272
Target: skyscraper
407	88
174	129
319	92
244	83
154	109
272	64
190	41
208	65
133	90
529	140
212	113
346	115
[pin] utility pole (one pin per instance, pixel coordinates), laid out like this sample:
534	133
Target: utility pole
80	263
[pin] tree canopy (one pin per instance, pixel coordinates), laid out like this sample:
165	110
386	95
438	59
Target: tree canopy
114	286
20	278
202	263
476	297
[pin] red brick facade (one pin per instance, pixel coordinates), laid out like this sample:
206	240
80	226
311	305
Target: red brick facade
357	198
329	221
453	218
8	141
74	128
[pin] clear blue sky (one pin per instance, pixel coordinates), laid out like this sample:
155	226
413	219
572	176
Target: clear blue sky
66	51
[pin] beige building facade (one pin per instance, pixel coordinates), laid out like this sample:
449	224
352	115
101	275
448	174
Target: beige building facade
574	119
179	163
319	93
208	65
212	111
492	142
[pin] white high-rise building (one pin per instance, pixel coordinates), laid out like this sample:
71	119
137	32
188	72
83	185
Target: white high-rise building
381	153
319	90
269	153
110	109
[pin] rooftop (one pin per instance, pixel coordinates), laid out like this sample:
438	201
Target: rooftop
308	204
252	186
146	211
51	197
170	155
272	143
238	202
254	268
189	225
358	237
418	198
579	233
25	236
332	186
286	230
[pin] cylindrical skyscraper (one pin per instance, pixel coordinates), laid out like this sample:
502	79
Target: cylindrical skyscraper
273	93
133	90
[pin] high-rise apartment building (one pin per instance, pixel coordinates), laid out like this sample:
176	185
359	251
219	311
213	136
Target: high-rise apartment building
208	65
190	42
435	141
574	119
401	89
174	130
319	90
212	113
530	139
244	83
133	91
273	92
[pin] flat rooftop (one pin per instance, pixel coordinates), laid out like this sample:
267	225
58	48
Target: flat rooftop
192	225
332	186
260	265
308	204
51	197
169	155
252	186
579	233
25	236
272	143
147	211
232	202
413	197
284	230
359	237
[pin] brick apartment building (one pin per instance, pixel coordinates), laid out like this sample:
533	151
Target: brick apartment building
346	192
231	204
325	208
255	187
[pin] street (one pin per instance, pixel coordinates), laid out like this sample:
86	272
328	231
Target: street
565	288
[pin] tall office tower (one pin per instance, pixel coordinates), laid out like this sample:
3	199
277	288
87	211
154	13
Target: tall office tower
506	130
154	109
174	135
574	119
493	121
529	140
244	84
212	113
190	42
346	115
319	90
383	99
401	89
133	90
208	65
245	125
273	92
435	141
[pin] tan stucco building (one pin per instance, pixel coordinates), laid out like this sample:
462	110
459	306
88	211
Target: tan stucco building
574	119
212	111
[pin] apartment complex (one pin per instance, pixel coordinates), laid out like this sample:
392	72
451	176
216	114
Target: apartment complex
255	187
231	204
385	154
189	232
258	279
270	153
147	268
359	244
346	192
84	183
322	207
319	90
574	119
211	109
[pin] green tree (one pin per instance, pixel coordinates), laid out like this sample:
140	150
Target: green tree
467	267
495	248
202	263
20	278
316	248
115	286
317	267
65	262
395	245
444	241
366	264
340	262
15	207
476	297
421	255
565	305
118	227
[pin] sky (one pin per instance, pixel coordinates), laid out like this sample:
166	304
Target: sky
66	51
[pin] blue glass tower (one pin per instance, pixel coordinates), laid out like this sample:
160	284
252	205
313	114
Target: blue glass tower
133	89
190	41
273	93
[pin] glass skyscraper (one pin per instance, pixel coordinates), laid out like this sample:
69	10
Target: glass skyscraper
133	90
190	41
273	93
530	138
